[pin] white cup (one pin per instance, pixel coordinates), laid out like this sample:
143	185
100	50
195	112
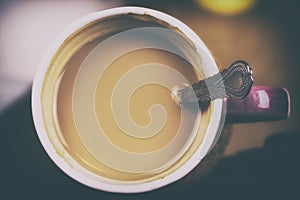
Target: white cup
43	98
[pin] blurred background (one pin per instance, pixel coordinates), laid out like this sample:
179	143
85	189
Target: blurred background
265	33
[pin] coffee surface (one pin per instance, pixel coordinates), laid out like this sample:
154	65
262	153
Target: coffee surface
126	126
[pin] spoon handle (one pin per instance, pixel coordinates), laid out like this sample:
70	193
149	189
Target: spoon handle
234	82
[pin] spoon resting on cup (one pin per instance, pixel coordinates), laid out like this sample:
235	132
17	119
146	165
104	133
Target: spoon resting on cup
235	82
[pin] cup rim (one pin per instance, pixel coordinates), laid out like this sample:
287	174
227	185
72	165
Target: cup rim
210	135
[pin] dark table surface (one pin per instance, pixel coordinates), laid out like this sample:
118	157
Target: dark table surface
268	37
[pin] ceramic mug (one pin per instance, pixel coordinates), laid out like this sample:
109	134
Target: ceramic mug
156	30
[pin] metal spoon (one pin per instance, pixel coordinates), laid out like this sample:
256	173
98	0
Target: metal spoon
234	82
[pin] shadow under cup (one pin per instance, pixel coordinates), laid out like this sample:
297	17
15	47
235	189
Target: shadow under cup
71	100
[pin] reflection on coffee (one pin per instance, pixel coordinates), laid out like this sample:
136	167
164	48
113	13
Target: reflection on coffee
83	132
